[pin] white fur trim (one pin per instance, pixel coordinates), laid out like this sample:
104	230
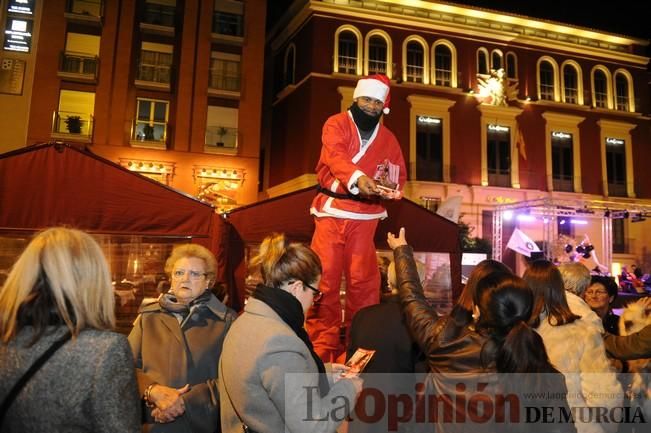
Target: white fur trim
372	89
329	211
352	187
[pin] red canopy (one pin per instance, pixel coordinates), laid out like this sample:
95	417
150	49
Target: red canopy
289	214
56	184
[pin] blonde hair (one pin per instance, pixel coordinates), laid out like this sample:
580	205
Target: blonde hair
196	251
63	271
576	277
280	261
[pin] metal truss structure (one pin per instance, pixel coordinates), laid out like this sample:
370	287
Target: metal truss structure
551	209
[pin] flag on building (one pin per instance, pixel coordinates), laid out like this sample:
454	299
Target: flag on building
450	208
519	142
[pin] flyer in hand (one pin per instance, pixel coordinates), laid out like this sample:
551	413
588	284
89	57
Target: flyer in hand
358	362
387	175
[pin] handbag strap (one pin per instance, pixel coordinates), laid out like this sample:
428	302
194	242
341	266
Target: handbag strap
11	396
245	427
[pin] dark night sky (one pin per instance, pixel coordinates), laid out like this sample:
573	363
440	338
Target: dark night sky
627	17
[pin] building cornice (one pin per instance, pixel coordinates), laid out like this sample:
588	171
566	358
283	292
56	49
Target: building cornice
472	22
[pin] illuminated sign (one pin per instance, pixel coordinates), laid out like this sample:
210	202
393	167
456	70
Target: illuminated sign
428	120
614	141
21	7
563	135
498	128
18	35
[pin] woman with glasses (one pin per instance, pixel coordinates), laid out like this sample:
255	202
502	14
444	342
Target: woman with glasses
271	380
176	342
601	292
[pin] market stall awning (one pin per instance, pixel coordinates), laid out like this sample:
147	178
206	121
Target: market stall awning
289	214
57	184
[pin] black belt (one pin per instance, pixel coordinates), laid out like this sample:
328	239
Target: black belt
347	196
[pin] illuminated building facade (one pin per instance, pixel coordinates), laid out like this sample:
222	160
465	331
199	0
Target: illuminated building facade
154	85
494	107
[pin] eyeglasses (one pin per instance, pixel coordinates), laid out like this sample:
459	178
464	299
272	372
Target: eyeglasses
596	293
318	294
194	275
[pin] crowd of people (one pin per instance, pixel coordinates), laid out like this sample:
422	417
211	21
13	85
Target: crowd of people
544	340
191	365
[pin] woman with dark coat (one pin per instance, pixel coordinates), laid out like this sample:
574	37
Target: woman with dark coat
176	343
466	353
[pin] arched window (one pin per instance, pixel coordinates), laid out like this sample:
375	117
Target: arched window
511	65
546	82
378	53
442	66
482	61
496	60
600	88
348	50
624	91
415	60
290	65
347	53
570	84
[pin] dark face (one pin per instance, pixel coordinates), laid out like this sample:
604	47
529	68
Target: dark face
370	106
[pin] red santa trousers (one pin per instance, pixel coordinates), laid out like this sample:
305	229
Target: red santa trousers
345	247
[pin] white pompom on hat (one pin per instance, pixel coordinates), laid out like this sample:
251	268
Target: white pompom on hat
375	86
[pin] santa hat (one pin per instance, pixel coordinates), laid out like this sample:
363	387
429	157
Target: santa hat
374	86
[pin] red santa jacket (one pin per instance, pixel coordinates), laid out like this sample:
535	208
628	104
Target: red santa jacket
343	161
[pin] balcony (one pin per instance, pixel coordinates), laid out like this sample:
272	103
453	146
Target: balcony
158	19
221	139
88	12
78	67
617	189
153	76
72	126
150	135
563	183
228	28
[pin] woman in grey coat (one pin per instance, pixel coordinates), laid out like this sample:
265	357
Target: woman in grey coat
271	380
176	343
60	286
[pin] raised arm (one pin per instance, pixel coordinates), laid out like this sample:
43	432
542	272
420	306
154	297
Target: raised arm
422	321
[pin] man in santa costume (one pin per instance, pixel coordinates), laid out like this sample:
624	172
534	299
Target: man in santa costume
361	165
